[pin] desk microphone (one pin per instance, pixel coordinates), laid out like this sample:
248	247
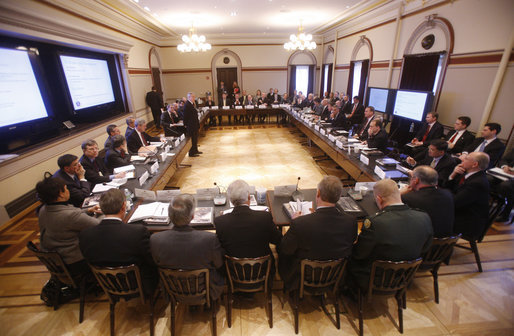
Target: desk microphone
297	195
219	199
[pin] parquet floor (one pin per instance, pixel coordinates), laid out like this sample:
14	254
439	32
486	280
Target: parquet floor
471	303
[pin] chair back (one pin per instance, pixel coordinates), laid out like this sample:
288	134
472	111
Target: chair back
388	277
54	263
319	277
248	274
120	282
496	205
187	286
440	249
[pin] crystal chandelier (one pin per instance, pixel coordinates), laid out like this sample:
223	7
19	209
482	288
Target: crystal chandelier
300	41
193	42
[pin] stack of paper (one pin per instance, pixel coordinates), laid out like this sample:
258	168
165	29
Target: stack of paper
150	211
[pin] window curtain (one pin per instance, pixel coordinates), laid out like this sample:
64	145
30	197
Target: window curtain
329	79
312	69
350	81
364	77
292	79
419	71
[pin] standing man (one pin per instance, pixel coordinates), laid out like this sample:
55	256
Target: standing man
192	124
73	174
154	100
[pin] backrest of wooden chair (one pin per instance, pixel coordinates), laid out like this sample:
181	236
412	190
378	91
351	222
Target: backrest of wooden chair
318	276
391	276
187	286
496	206
120	282
439	250
54	263
248	274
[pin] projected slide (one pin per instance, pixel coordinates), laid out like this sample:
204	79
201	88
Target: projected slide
20	98
410	104
88	80
378	99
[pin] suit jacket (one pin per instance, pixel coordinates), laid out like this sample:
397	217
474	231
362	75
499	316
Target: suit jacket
325	113
113	159
128	131
191	121
108	142
153	99
378	141
444	167
471	204
276	100
228	102
363	128
323	235
339	121
79	190
438	204
167	120
307	103
237	102
318	109
464	141
494	149
210	103
134	141
396	233
60	225
246	233
346	107
189	249
358	115
113	243
93	170
436	132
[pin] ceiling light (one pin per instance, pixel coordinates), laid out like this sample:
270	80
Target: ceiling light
300	41
233	13
193	42
147	9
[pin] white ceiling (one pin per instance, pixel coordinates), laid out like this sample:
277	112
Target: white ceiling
224	18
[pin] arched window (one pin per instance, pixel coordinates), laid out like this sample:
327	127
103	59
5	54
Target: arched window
326	71
359	68
301	69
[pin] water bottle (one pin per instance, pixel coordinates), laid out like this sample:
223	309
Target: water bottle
128	198
411	128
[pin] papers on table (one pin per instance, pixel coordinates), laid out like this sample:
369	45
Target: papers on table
203	215
102	187
154	210
253	207
499	173
159	195
129	171
147	150
137	158
293	207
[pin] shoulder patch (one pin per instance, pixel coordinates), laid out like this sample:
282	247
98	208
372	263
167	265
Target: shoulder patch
367	223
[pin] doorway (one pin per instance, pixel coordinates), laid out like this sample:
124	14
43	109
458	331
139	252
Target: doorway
228	76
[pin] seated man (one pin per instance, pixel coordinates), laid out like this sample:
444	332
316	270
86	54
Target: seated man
73	174
356	113
96	171
60	223
324	234
377	136
430	130
423	193
438	159
113	243
112	130
471	195
396	233
337	118
238	102
505	187
139	137
117	156
275	97
131	125
169	120
488	143
326	111
224	102
245	233
183	247
459	138
362	132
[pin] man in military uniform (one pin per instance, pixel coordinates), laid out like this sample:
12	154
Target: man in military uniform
395	233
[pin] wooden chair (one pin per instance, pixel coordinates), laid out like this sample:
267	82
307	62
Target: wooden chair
249	275
319	278
389	278
189	287
122	282
496	206
440	250
58	269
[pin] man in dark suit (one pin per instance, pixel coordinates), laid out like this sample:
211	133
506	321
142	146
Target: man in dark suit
327	110
113	243
337	118
395	233
169	119
459	138
192	124
505	187
377	136
356	113
73	174
362	131
322	235
438	159
118	155
245	233
96	171
225	102
183	247
112	130
471	194
221	90
423	193
309	102
139	138
275	98
131	125
154	100
346	105
488	143
238	102
430	130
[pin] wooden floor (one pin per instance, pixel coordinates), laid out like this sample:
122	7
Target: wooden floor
471	303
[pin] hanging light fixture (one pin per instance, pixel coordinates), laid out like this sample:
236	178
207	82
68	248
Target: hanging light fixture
300	41
193	42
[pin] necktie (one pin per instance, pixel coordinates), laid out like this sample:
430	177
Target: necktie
482	146
354	107
433	163
77	181
122	154
426	133
95	165
462	179
453	137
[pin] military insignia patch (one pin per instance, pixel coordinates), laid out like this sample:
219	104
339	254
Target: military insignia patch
367	223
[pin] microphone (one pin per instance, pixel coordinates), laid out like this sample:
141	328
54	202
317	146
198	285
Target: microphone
219	199
297	195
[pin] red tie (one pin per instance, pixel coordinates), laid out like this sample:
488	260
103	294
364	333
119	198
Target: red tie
453	137
426	133
462	179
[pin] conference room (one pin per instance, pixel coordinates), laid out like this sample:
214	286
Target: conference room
457	55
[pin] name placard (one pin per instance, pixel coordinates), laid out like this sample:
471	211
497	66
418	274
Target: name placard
364	159
177	142
154	168
331	138
379	172
323	132
316	128
182	137
339	144
143	178
239	107
226	107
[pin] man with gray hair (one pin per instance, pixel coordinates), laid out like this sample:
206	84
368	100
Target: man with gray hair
183	247
395	233
470	188
245	233
131	125
423	193
324	234
139	138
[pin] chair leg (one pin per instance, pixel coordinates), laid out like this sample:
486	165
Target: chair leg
361	319
172	315
474	248
404	299
111	309
214	307
229	308
336	306
82	298
152	302
399	299
270	308
295	311
436	283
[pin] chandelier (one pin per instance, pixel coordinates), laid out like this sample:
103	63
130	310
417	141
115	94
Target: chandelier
300	41
193	42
